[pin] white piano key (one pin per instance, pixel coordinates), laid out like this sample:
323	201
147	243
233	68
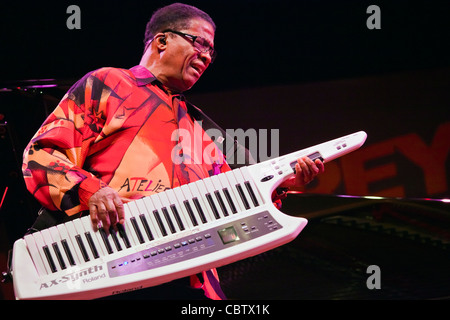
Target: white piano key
122	236
95	236
134	212
147	226
107	241
185	200
121	229
247	177
62	255
130	232
143	219
190	208
129	225
35	255
228	182
215	186
166	204
146	207
53	259
69	240
177	196
206	186
158	223
242	190
114	239
159	207
198	191
40	244
234	182
81	240
176	205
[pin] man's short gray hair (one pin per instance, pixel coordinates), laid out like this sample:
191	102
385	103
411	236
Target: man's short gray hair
176	16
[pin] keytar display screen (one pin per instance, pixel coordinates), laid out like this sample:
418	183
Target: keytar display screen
228	235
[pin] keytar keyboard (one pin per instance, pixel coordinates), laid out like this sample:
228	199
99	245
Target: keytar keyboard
169	235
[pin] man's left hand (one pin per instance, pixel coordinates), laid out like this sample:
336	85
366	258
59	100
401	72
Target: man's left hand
306	170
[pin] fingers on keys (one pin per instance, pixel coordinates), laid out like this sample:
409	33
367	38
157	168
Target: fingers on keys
106	209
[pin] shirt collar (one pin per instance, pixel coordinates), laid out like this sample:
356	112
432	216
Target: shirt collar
143	75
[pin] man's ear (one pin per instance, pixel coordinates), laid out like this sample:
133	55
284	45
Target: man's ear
161	41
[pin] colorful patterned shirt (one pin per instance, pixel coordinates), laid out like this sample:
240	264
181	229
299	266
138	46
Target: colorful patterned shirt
116	127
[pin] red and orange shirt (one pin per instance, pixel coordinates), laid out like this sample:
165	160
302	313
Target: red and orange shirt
116	127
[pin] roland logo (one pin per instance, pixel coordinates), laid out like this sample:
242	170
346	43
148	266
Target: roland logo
86	274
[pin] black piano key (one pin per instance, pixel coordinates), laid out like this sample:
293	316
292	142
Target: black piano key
160	223
230	200
49	259
190	212
59	255
221	203
137	230
242	195
68	252
251	193
177	217
113	234
199	209
212	205
82	248
91	245
146	227
123	235
168	219
105	240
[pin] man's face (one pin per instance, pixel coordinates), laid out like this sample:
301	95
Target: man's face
183	61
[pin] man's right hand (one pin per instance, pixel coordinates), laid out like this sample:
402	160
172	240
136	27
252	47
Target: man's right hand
106	208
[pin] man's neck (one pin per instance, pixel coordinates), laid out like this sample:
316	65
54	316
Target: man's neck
151	65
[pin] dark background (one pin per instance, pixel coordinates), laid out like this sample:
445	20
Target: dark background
263	45
259	42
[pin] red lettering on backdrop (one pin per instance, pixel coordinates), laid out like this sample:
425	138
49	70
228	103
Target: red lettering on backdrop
357	178
351	170
431	158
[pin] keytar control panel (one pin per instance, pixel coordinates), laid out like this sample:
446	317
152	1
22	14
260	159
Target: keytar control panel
195	245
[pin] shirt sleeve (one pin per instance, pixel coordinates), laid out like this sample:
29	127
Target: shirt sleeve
53	160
